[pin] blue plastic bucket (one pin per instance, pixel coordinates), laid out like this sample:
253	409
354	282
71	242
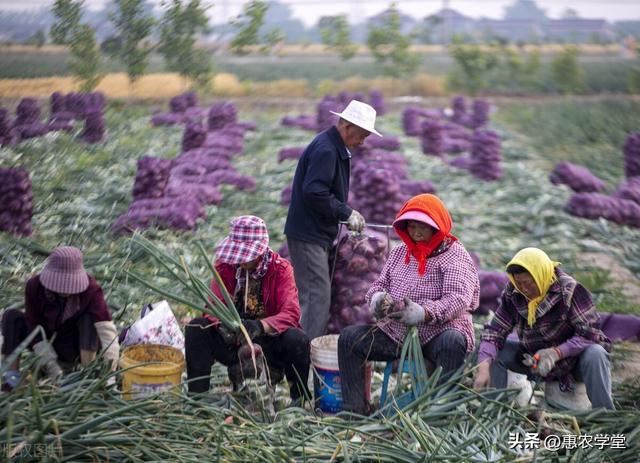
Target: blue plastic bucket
326	378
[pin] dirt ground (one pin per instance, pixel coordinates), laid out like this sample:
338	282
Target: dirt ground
628	365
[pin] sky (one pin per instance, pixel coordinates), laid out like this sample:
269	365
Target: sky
309	11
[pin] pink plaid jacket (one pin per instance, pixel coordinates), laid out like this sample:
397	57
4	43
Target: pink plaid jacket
449	291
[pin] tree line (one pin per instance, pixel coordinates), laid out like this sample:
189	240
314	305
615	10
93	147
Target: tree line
174	36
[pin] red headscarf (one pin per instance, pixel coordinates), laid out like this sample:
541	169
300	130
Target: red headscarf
432	206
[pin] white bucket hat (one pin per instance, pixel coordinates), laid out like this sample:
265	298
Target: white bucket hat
360	114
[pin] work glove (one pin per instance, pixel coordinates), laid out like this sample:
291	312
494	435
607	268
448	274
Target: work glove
48	358
529	361
412	314
253	327
230	337
108	336
381	304
355	222
482	378
542	361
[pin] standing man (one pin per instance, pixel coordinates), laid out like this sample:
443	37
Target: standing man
318	204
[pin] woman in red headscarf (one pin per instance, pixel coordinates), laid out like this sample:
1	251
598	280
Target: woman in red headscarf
433	278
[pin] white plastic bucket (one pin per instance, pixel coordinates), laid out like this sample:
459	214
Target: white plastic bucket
326	379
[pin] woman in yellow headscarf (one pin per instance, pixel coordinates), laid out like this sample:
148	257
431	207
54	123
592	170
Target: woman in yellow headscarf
557	327
536	279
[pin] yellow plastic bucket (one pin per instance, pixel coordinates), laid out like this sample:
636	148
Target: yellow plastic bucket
163	375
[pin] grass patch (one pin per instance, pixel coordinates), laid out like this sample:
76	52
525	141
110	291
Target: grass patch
581	132
607	294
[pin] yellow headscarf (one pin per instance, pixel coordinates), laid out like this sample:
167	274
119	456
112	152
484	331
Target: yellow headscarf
541	268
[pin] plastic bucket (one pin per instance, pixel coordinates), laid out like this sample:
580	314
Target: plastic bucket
326	379
144	380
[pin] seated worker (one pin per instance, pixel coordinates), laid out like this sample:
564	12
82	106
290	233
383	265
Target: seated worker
69	304
558	331
265	294
434	276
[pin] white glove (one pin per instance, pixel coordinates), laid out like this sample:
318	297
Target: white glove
109	340
355	222
49	359
412	314
381	303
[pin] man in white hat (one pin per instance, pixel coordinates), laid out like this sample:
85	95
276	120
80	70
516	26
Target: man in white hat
318	203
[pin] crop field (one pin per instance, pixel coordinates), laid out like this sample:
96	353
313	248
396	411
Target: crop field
81	189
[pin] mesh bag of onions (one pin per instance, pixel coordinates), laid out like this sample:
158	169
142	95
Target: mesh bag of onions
576	177
596	205
630	190
632	155
491	285
359	260
486	155
93	126
17	201
221	114
8	135
151	178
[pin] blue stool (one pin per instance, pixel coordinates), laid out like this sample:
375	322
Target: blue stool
407	367
407	398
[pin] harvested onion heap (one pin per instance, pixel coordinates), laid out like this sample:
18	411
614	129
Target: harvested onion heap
60	118
486	155
359	260
183	109
576	177
632	155
178	213
151	178
93	126
192	179
17	201
596	205
27	123
222	114
629	189
8	135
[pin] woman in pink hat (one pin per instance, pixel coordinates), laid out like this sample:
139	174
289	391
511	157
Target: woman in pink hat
266	297
69	304
429	281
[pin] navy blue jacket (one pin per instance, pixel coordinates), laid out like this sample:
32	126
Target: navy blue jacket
320	190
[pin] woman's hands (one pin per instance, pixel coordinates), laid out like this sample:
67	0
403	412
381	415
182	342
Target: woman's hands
381	304
412	314
482	378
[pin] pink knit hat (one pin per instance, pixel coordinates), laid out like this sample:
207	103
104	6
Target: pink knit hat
415	215
64	271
